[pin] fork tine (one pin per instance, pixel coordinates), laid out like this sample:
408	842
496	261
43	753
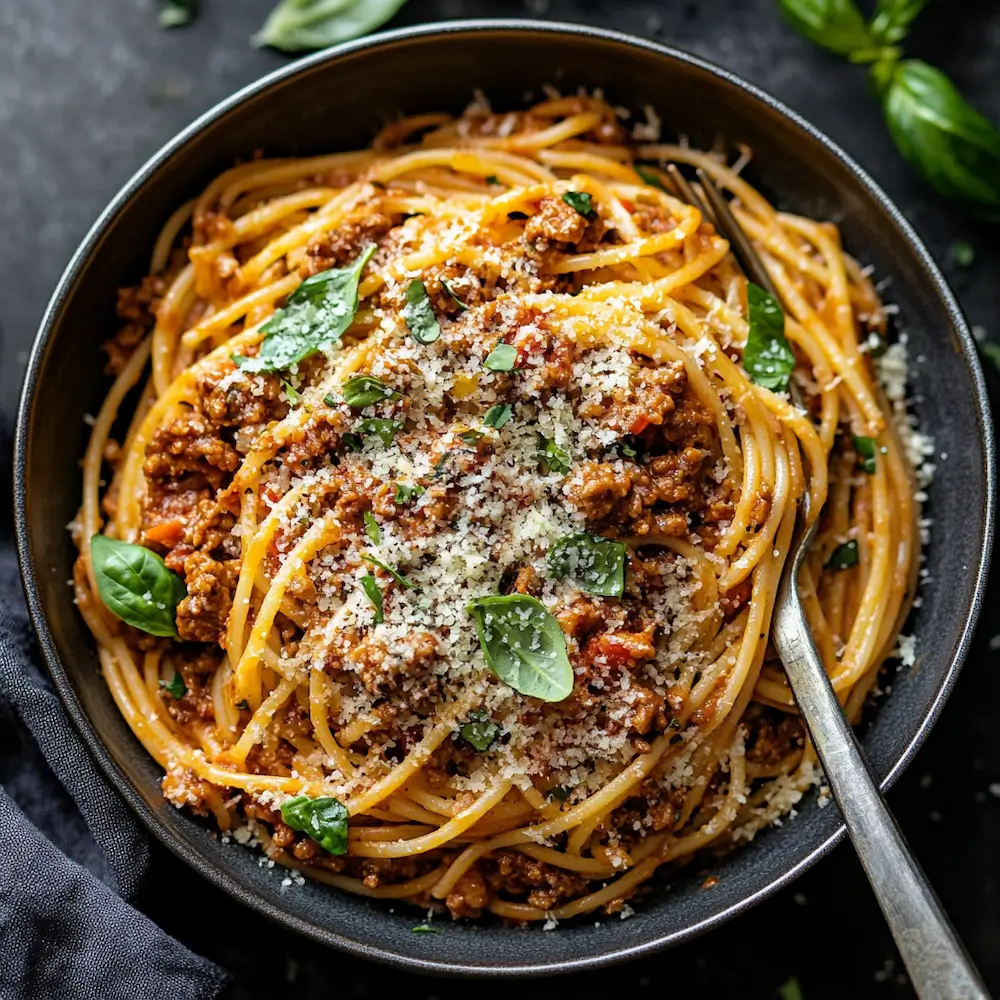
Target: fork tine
739	242
686	191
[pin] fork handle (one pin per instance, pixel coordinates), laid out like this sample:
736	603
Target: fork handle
937	963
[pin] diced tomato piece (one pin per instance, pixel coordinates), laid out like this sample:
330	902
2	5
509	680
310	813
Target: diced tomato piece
627	205
640	423
166	533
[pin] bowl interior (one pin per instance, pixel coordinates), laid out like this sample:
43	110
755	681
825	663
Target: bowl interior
336	102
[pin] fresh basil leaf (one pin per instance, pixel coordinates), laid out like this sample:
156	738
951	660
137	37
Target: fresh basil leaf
379	427
398	577
405	492
844	556
955	148
315	316
323	819
580	201
524	645
767	358
502	358
865	447
135	585
471	437
425	929
418	314
596	565
497	416
297	25
353	442
479	732
360	391
649	176
175	13
893	18
454	298
836	25
175	687
374	594
556	459
372	530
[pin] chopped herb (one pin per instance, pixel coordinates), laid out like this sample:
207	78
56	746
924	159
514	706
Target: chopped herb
175	13
844	556
175	687
454	298
425	929
374	594
135	585
877	344
963	254
479	732
322	819
502	358
492	179
524	645
580	201
330	399
405	492
497	416
865	447
471	437
556	459
516	216
291	392
372	530
315	316
418	314
379	427
243	705
627	450
596	565
398	577
366	390
352	442
677	738
767	358
650	177
560	793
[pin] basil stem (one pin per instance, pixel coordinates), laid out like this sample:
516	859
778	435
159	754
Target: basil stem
323	819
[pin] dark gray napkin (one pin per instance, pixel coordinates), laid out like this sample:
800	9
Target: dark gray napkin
66	930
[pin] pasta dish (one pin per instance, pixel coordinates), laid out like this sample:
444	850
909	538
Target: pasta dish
432	524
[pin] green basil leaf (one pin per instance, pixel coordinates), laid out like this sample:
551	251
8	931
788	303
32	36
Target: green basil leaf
649	176
865	447
471	437
580	201
372	530
379	427
836	25
175	13
844	556
418	314
454	298
560	793
405	492
315	316
175	687
425	929
479	732
767	358
556	459
596	565
524	645
297	25
353	442
502	358
360	391
323	820
491	179
955	148
136	586
374	594
893	18
497	416
398	577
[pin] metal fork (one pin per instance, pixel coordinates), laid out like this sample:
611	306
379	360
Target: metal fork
937	963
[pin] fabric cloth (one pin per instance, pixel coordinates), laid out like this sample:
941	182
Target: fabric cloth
71	853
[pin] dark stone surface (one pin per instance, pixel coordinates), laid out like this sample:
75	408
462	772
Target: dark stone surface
89	90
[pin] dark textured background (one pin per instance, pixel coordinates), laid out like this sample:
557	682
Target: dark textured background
88	90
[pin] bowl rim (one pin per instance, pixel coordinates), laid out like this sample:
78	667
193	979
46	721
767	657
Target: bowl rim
185	850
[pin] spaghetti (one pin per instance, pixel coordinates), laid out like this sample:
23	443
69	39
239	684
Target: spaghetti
480	504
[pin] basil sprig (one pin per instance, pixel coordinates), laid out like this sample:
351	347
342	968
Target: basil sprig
297	25
418	314
315	316
479	732
135	585
322	819
360	391
524	645
596	565
767	358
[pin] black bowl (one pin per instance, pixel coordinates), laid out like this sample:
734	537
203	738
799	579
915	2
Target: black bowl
337	100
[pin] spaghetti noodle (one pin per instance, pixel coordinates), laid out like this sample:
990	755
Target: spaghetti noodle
480	508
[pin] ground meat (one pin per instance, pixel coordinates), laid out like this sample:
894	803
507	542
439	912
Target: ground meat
384	669
340	247
136	308
557	221
197	674
514	875
774	734
469	896
190	444
236	405
653	397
